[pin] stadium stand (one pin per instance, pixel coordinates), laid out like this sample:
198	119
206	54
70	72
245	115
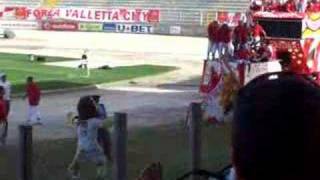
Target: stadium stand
191	15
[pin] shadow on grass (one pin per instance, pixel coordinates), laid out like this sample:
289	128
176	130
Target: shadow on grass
49	85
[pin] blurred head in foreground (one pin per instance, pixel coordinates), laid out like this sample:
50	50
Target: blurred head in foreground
276	129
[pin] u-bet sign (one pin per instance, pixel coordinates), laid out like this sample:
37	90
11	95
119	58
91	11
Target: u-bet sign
134	28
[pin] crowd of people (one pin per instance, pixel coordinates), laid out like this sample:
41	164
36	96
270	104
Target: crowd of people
246	40
94	143
300	6
241	42
33	95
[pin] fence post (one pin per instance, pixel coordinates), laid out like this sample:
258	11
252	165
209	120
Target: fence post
25	152
201	18
120	146
195	136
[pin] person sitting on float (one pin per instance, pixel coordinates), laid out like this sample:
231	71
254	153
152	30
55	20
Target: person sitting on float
263	54
243	53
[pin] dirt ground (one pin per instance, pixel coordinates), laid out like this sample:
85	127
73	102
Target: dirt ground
149	101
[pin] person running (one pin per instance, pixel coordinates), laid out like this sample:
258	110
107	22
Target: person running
33	94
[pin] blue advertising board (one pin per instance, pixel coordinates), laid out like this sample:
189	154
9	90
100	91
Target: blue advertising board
111	27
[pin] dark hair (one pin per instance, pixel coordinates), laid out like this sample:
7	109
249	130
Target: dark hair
30	78
96	98
87	108
285	58
276	129
84	56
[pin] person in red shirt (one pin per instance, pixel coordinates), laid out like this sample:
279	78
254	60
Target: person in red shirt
213	46
290	6
240	35
317	6
226	47
3	117
313	6
257	32
33	93
275	6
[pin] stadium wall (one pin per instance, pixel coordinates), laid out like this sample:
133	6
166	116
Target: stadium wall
168	17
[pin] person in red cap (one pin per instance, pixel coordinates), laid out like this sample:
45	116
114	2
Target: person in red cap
3	117
33	93
213	46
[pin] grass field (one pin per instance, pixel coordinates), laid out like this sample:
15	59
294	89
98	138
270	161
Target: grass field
166	144
18	67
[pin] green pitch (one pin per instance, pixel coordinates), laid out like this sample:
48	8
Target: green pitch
18	67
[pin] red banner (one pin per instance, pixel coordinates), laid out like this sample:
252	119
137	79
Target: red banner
60	26
123	15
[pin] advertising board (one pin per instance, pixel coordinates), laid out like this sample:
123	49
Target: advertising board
60	26
134	28
90	27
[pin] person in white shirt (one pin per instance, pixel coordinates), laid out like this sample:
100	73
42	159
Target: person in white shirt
84	60
88	148
7	90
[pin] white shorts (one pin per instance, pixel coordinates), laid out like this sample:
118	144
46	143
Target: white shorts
33	113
